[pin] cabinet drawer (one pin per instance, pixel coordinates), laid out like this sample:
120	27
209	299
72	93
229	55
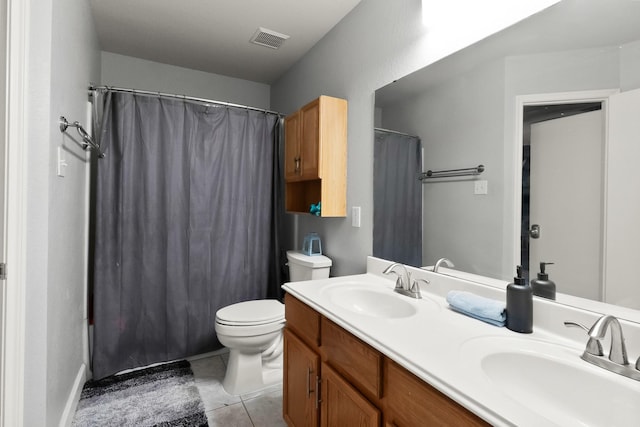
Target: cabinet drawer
352	358
303	320
409	401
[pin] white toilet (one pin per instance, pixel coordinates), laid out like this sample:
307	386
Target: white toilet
252	331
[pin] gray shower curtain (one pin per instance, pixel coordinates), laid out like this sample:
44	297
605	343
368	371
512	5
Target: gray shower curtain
183	225
397	198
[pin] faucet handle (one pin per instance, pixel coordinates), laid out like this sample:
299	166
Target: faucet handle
415	287
593	345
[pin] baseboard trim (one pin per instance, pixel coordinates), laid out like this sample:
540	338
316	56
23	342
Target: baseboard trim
74	397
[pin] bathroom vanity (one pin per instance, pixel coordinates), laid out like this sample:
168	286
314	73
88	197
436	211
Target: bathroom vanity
333	378
359	353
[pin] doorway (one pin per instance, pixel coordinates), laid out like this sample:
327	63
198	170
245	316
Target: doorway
563	194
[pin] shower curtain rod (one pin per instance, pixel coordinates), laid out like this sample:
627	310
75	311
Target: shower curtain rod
184	97
396	132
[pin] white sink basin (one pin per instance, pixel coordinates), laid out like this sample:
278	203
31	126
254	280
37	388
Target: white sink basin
553	380
370	300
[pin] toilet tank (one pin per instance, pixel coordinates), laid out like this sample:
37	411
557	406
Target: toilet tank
305	267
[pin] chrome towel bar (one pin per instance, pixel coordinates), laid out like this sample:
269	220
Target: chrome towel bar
451	173
87	141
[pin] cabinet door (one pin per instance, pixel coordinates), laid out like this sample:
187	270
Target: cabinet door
292	160
300	383
310	139
343	405
410	402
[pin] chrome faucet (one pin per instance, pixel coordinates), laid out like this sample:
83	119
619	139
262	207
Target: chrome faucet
404	284
617	360
441	261
618	352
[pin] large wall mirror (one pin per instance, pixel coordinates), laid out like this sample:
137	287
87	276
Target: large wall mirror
551	108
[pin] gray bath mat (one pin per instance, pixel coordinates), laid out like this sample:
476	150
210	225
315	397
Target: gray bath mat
164	395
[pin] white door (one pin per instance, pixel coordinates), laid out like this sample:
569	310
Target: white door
566	190
622	245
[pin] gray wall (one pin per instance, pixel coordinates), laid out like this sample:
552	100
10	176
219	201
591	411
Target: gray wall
369	48
375	44
135	73
63	57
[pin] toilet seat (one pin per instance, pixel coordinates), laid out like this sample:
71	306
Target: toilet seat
251	313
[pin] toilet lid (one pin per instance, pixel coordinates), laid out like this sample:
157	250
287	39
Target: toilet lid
313	261
254	312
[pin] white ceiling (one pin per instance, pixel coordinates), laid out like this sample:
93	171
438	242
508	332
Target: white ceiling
213	35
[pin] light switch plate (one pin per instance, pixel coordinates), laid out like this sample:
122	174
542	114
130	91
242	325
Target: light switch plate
355	216
62	163
481	187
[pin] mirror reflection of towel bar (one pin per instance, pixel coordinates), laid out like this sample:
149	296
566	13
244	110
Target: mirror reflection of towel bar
451	173
88	142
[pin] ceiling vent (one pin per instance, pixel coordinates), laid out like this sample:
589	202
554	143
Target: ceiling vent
268	38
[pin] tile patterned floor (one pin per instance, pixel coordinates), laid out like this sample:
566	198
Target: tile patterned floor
259	409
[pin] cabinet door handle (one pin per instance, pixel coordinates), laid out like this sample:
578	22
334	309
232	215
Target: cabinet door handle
318	385
309	372
297	161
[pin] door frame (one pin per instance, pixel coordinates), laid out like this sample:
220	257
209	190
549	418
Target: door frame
522	101
15	139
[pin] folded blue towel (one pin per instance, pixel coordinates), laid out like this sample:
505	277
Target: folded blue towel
481	308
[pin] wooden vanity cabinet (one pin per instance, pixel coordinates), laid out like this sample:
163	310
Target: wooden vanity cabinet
316	157
357	385
339	403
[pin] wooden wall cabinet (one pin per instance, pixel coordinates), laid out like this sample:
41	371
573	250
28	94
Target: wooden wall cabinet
332	378
316	157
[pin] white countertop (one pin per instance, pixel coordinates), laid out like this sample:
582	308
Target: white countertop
432	342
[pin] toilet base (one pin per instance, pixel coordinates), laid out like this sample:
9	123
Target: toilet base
246	373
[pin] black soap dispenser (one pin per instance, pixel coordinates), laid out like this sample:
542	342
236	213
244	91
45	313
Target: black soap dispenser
542	286
519	305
